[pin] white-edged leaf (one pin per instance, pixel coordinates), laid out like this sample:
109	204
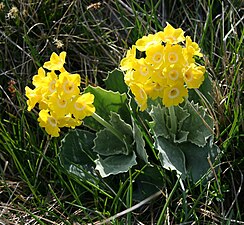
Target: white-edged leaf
116	164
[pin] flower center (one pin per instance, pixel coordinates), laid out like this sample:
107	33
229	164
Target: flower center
158	87
62	103
173	74
157	57
52	121
188	76
172	57
143	70
79	106
174	93
68	87
52	86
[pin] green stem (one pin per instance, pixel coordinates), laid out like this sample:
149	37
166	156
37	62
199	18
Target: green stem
103	122
173	119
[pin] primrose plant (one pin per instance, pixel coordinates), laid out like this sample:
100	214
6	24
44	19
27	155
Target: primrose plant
149	114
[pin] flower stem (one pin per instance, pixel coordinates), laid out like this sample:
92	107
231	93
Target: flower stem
173	119
103	122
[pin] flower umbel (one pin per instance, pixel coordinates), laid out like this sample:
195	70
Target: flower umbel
60	102
167	69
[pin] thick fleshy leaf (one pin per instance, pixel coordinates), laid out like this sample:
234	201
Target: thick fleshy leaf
171	156
106	144
115	81
162	123
106	102
197	163
199	124
124	128
76	154
115	164
140	143
159	115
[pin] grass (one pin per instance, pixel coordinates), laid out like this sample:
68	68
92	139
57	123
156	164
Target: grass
35	189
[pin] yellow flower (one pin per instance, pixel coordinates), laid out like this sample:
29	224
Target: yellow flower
34	96
69	121
154	55
60	105
145	42
173	74
49	122
140	95
128	77
56	62
173	95
68	84
154	90
171	35
59	97
45	85
173	55
127	62
48	84
167	70
194	76
158	77
192	48
83	106
37	80
143	71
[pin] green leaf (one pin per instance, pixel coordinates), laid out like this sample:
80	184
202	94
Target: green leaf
106	102
162	123
115	164
181	115
140	143
171	156
115	81
159	116
76	154
197	158
199	124
124	128
106	144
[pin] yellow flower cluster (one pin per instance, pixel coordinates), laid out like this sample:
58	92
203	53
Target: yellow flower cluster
60	102
165	68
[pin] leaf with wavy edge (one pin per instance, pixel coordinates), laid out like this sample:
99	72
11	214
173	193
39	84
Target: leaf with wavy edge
140	143
115	81
106	143
171	156
115	164
76	155
199	124
161	123
106	102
